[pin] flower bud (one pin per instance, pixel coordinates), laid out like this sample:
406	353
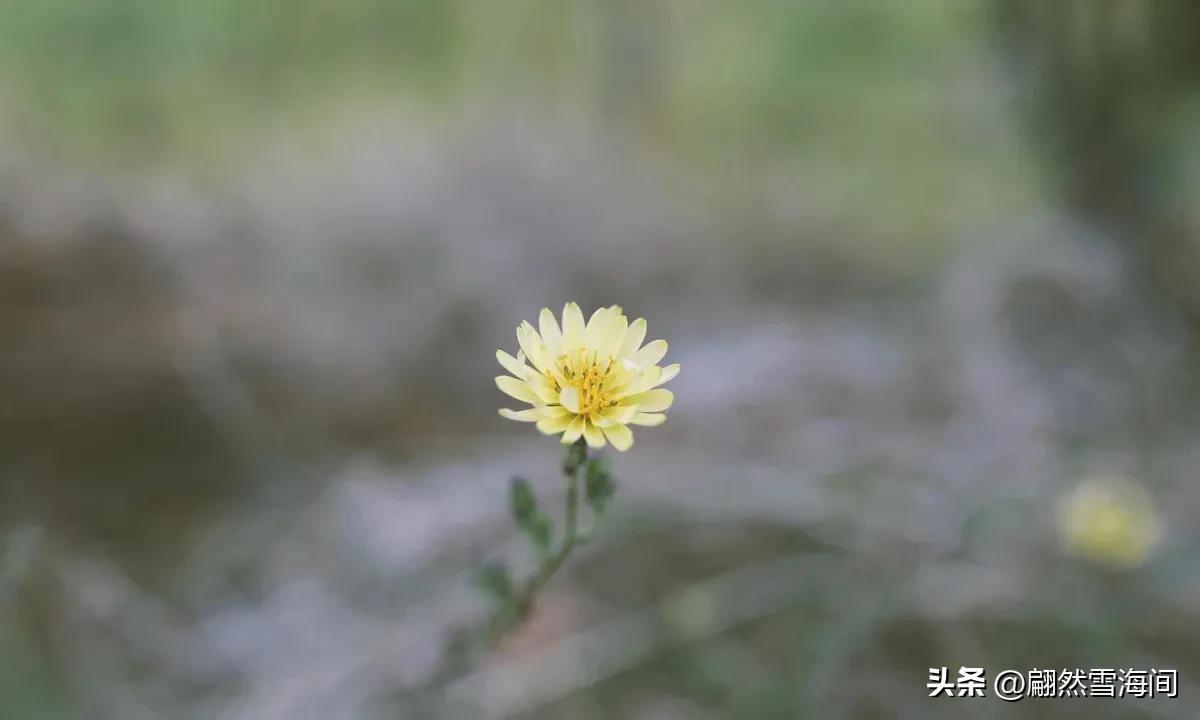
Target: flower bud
576	455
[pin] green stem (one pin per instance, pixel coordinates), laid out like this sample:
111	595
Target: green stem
524	599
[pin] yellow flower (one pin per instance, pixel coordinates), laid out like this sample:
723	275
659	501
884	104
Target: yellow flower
1109	521
591	381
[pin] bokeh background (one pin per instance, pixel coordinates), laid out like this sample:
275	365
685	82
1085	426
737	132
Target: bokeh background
928	266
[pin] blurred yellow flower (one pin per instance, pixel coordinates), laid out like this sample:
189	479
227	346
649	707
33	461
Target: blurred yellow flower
587	380
1111	522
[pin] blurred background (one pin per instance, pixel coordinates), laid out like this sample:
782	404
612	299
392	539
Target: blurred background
932	270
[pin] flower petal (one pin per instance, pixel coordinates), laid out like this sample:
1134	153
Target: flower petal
618	413
620	437
572	329
531	345
668	373
593	435
551	335
651	401
651	353
573	430
618	375
647	380
633	338
605	330
512	364
595	328
554	425
514	388
569	397
543	387
648	419
618	325
527	415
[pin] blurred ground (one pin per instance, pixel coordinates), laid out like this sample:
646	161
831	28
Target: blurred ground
927	267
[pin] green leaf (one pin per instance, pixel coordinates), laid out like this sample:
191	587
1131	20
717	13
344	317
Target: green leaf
541	533
599	484
523	502
495	582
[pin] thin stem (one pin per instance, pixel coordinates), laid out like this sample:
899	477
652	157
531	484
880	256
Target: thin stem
524	600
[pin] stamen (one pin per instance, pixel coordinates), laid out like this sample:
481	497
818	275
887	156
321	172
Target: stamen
584	371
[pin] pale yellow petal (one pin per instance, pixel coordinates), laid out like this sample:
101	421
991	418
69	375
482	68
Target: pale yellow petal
655	400
618	376
668	373
648	419
572	328
531	345
633	338
620	437
527	415
569	398
618	413
551	335
554	411
598	316
574	430
512	364
613	333
595	329
554	425
647	380
651	353
549	365
543	387
593	435
517	389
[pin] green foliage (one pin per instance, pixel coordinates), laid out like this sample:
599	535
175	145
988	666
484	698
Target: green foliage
541	534
153	76
538	527
851	98
576	456
511	604
494	580
599	485
523	502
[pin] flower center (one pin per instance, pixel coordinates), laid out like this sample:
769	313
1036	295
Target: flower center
586	373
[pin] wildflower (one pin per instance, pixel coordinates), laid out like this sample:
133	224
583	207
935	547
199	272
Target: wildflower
1110	521
589	380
